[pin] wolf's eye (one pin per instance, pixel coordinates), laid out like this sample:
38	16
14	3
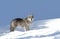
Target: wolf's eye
32	16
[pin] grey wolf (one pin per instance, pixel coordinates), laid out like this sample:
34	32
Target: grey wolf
25	23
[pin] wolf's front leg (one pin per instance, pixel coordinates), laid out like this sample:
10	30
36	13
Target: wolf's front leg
26	28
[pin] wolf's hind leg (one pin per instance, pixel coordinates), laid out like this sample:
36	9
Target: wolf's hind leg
12	27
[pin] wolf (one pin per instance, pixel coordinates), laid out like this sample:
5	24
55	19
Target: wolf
24	23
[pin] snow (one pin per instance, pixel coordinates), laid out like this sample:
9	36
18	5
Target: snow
28	34
41	29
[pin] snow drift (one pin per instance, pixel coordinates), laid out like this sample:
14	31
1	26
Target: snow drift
42	29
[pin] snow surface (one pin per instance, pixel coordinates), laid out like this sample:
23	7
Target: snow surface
41	29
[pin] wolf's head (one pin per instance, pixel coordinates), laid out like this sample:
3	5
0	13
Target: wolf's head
30	18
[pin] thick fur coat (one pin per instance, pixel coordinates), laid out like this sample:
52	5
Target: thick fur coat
25	23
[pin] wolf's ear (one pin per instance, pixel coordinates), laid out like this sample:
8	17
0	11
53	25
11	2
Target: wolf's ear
31	14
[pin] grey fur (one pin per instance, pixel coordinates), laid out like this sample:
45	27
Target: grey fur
21	22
